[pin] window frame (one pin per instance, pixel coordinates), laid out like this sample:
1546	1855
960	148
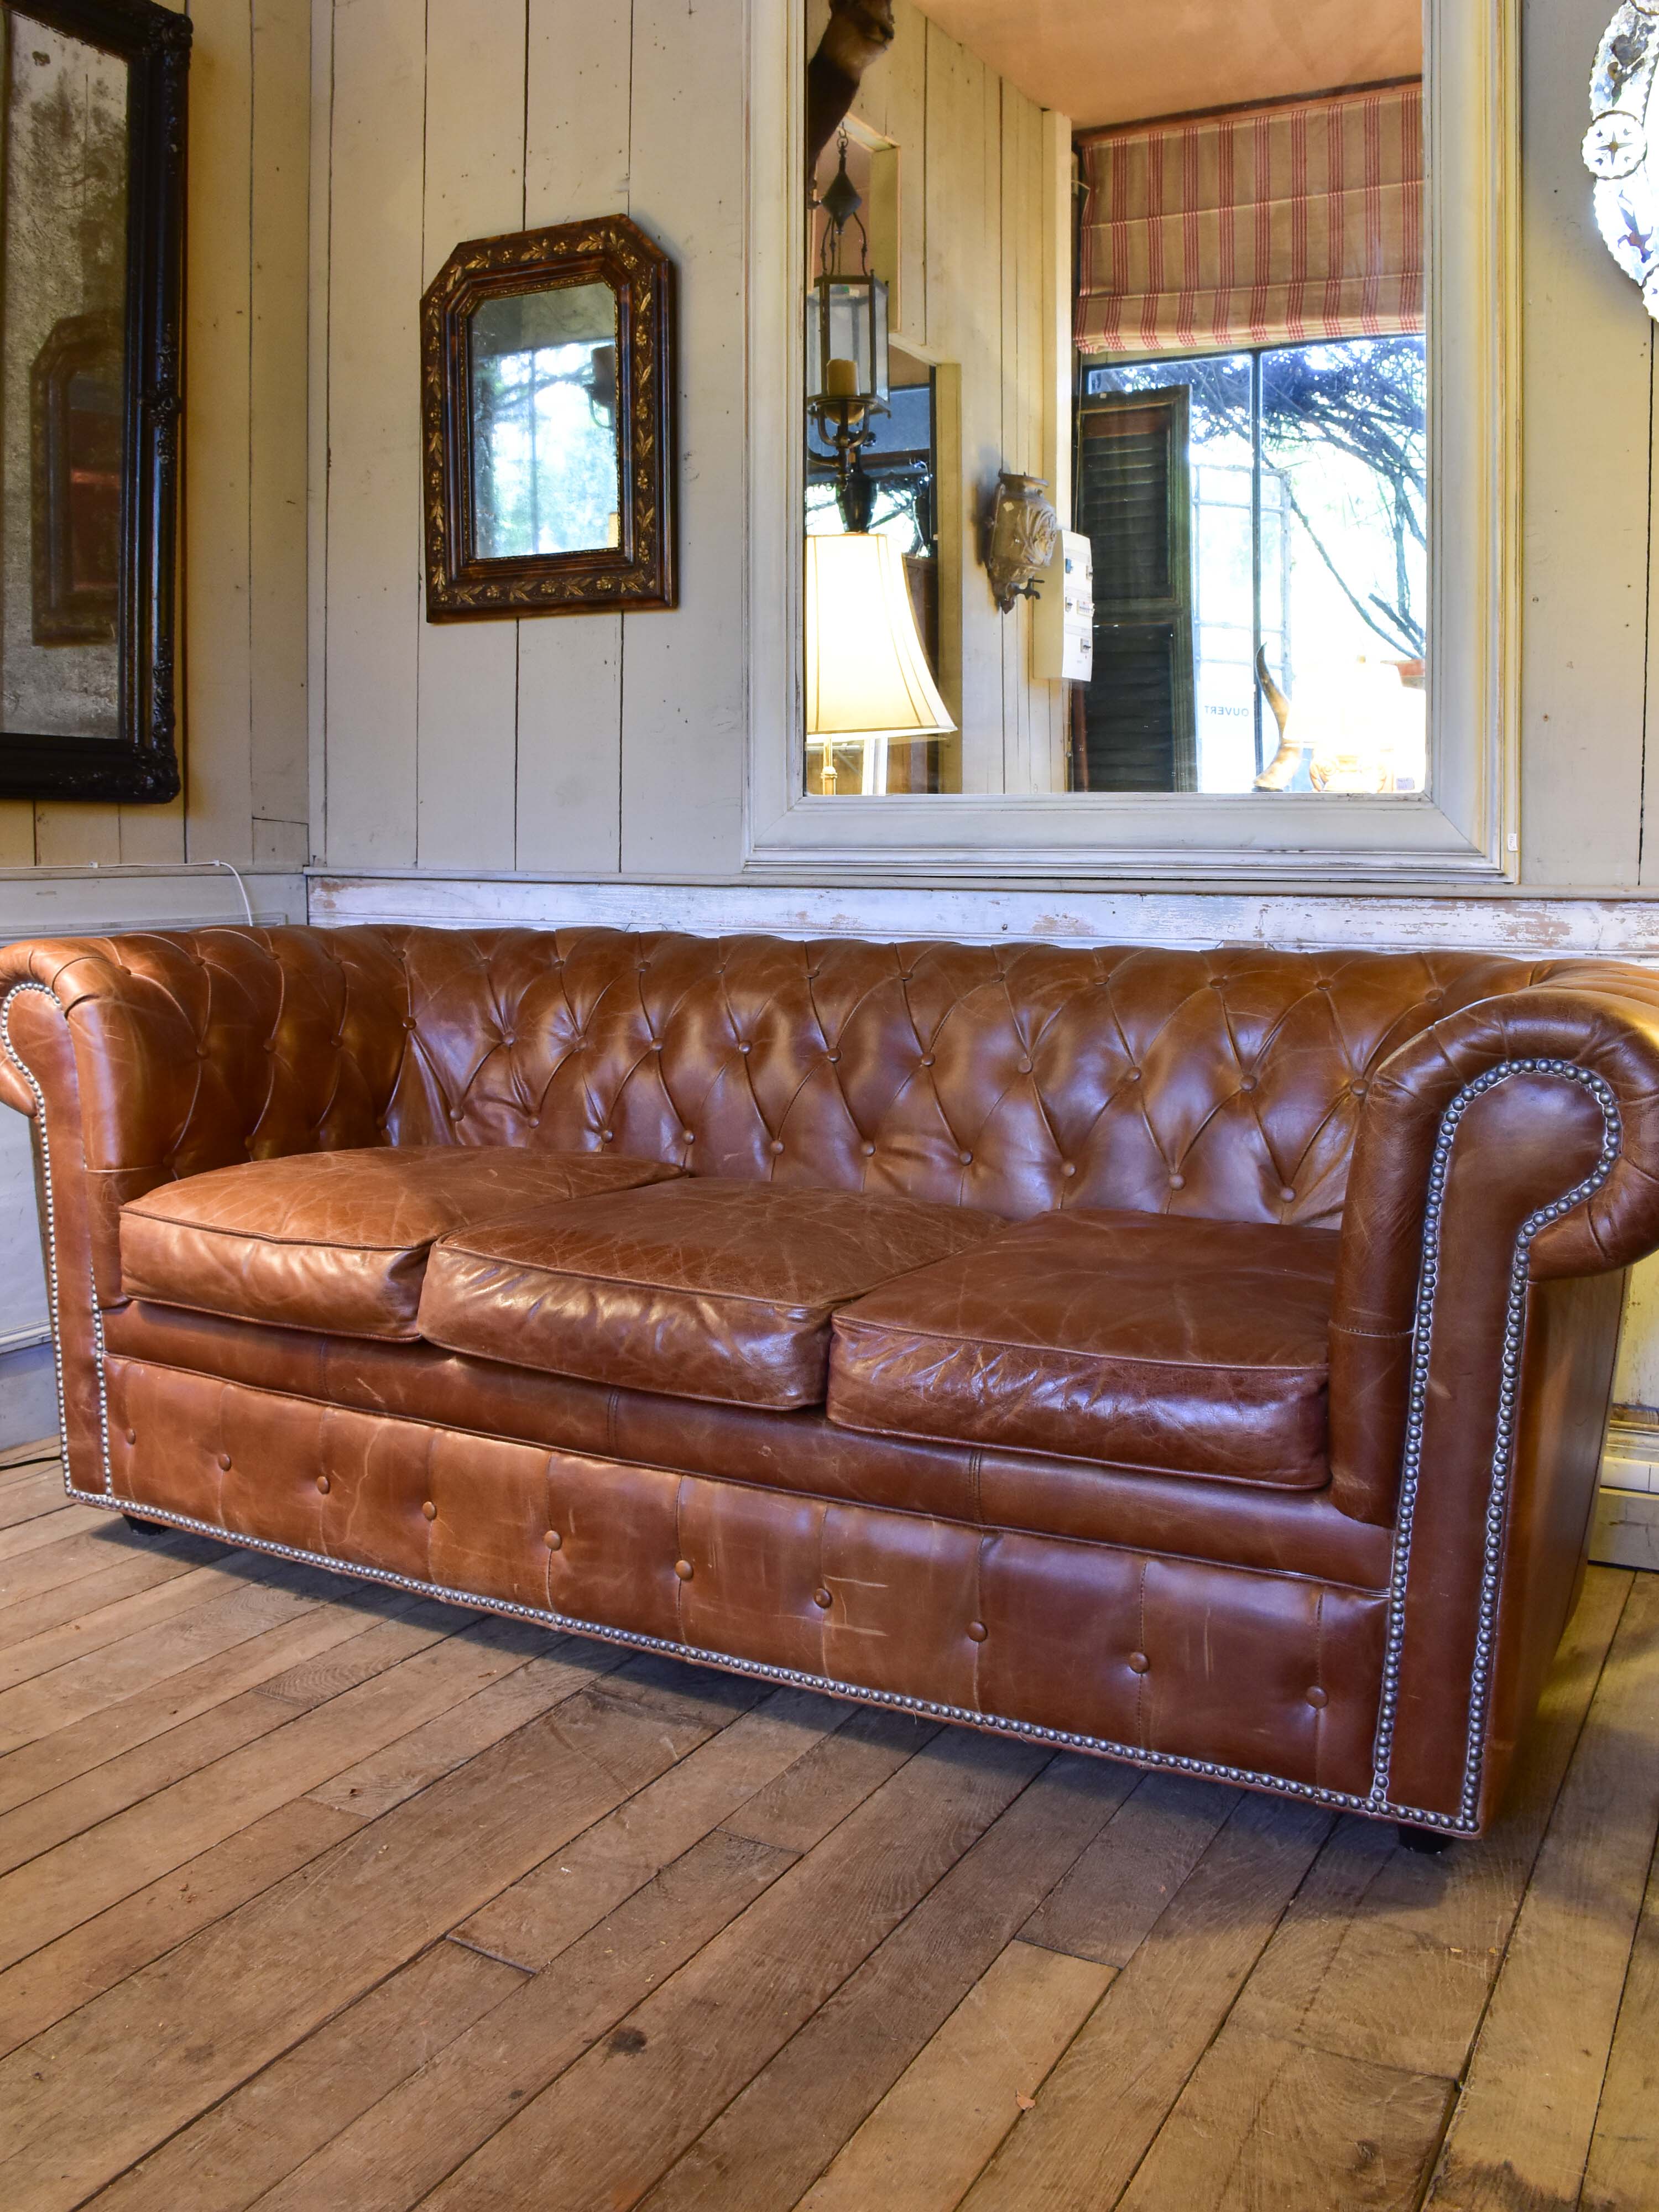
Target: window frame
1257	356
1465	829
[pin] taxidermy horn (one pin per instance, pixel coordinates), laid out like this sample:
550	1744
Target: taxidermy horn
1276	776
859	32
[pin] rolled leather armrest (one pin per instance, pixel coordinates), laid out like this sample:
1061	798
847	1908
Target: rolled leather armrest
1521	1131
155	1057
1505	1174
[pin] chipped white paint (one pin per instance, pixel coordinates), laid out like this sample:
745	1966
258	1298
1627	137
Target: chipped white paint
1541	928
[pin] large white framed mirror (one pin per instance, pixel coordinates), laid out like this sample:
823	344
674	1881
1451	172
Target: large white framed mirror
1239	322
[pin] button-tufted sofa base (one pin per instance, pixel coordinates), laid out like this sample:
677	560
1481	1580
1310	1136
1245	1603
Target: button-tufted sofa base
1269	1679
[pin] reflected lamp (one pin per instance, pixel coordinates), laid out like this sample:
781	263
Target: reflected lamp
867	677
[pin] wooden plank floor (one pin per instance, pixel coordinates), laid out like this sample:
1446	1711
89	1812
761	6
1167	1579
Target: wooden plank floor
326	1899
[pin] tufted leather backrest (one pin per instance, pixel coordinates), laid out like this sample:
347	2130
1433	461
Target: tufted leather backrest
1014	1078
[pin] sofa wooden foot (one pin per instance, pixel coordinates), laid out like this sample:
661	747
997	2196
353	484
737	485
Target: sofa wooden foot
145	1528
1429	1842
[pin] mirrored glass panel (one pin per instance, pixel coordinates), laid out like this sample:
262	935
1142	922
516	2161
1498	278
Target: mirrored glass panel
544	387
1117	344
63	408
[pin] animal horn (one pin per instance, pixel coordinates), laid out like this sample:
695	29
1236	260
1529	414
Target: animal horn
1276	776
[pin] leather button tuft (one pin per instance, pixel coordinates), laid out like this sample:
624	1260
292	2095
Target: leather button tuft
745	1048
535	1120
688	1136
832	1057
554	1541
775	1147
1288	1195
656	1044
429	1509
1140	1663
458	1113
133	1436
1132	1075
224	1462
1360	1089
1318	1698
977	1631
926	1061
823	1599
684	1569
1248	1083
966	1159
323	1484
1177	1183
1025	1067
869	1152
607	1136
1068	1167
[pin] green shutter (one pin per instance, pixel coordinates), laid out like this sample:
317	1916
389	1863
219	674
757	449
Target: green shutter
1134	505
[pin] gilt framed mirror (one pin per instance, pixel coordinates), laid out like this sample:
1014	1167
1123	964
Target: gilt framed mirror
549	424
91	229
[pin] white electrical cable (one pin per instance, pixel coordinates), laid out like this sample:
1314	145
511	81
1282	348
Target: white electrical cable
177	868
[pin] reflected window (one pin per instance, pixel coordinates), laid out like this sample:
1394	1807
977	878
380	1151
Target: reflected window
543	390
1260	531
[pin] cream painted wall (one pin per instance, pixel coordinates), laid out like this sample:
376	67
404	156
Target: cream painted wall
244	603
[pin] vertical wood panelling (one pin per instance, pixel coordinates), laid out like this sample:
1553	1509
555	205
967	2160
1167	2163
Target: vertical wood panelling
218	431
317	430
373	490
276	445
568	768
684	690
242	604
1586	464
469	672
907	126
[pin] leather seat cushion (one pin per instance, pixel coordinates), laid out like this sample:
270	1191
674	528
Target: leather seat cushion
338	1240
1191	1347
701	1288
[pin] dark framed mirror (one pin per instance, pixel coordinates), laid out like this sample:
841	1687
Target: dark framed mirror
92	107
549	424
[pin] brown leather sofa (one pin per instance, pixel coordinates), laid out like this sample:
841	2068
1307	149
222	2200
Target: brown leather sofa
1199	1358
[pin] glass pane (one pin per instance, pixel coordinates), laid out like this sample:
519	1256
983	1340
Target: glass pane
1221	585
544	391
64	365
1344	460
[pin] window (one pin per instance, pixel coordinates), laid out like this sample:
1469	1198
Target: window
1260	528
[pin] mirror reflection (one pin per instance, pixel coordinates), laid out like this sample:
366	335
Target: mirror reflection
64	365
543	422
1116	397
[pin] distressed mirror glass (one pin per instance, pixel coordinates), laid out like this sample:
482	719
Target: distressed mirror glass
1118	343
544	465
93	98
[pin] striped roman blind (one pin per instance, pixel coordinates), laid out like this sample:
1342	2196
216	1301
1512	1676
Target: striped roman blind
1269	226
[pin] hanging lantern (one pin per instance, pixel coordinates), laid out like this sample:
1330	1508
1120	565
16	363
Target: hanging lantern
847	366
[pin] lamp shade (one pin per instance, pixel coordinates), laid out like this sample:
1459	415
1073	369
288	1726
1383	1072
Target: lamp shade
867	673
